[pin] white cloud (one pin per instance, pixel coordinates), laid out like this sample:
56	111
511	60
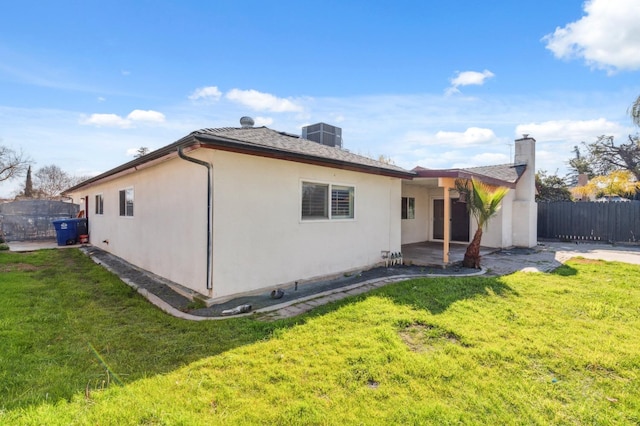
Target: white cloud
471	136
148	116
209	93
106	120
114	120
469	78
262	101
101	99
263	121
556	139
570	130
607	37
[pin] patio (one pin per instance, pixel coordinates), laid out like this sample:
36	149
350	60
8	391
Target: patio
429	253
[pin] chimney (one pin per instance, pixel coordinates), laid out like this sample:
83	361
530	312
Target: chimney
524	204
526	154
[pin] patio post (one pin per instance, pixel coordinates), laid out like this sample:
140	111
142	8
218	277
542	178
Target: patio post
446	184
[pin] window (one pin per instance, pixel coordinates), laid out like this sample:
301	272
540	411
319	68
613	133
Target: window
126	202
341	202
325	201
99	204
408	208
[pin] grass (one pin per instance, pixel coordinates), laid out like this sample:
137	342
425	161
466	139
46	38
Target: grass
558	348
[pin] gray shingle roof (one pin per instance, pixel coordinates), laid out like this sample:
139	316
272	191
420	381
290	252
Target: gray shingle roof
287	143
505	172
266	142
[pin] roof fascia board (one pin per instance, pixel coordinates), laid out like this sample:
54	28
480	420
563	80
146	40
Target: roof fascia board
462	174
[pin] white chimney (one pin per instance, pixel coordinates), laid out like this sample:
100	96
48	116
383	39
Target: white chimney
525	209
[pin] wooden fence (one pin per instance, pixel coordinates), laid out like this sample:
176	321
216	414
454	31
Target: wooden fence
590	221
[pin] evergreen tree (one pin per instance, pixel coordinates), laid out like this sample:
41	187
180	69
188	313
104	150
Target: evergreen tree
28	186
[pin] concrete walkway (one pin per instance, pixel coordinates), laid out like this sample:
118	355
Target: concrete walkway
544	258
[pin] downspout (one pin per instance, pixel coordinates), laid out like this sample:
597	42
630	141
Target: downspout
209	167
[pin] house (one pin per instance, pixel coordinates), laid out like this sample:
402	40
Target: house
233	211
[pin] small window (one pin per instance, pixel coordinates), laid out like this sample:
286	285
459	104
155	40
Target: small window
314	201
99	204
325	201
408	208
126	202
341	202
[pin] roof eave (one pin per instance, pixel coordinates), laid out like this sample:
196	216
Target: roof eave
195	140
464	174
233	145
154	157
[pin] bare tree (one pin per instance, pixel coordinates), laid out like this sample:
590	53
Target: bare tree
634	111
12	163
605	156
143	150
51	180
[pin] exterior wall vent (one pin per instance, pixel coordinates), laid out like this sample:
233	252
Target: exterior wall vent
324	134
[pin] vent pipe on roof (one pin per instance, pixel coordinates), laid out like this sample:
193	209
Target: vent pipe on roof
246	122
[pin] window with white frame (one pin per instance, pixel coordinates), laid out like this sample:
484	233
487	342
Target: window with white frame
327	201
99	204
126	202
408	208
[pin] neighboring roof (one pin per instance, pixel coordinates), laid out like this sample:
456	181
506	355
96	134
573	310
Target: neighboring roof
502	175
265	142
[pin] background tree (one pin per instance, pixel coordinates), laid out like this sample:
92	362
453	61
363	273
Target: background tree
143	150
619	182
634	111
551	187
578	165
12	163
605	156
28	185
51	180
483	202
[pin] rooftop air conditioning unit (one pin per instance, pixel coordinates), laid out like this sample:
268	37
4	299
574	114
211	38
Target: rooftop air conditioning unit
324	134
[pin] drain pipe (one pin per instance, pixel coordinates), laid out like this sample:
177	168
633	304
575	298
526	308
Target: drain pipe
209	167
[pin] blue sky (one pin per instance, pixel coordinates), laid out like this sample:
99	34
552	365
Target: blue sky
436	84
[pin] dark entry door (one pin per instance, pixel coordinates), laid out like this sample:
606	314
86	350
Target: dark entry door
459	221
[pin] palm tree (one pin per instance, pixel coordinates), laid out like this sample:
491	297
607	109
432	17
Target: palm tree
483	202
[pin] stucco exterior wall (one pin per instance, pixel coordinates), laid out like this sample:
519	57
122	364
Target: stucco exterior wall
416	230
260	240
498	233
167	233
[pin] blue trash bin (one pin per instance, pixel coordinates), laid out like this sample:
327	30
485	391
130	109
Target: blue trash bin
66	231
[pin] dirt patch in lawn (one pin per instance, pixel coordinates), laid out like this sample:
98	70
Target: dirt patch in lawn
18	267
426	337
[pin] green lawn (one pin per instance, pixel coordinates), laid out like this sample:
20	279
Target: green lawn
559	348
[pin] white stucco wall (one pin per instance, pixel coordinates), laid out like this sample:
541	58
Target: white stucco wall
167	234
498	233
416	230
260	241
